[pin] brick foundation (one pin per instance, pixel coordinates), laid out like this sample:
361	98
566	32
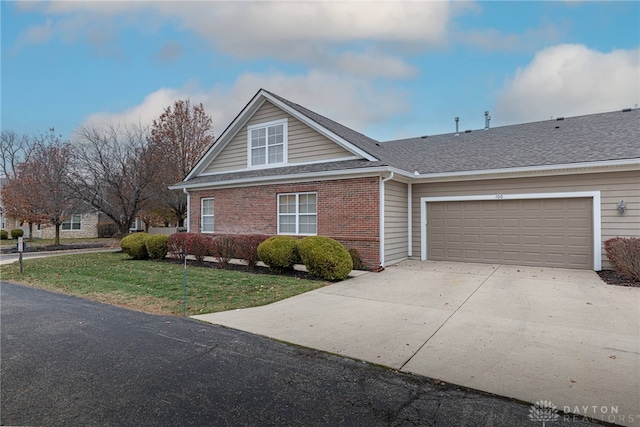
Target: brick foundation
348	211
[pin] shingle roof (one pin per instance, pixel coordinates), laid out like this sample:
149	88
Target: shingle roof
350	165
589	138
361	141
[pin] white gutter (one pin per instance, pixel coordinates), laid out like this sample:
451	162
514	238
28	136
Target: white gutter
382	181
530	169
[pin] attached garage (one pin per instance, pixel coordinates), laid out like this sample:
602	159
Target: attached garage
547	230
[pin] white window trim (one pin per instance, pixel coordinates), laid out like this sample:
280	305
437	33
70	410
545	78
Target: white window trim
70	221
594	195
285	143
202	214
297	233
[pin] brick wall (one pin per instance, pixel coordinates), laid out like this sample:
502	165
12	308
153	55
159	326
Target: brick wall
348	211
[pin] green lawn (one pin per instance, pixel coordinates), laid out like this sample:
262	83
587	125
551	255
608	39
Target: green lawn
154	287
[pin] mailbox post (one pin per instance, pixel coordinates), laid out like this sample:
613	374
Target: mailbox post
20	250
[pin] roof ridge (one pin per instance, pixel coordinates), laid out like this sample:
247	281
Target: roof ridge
302	107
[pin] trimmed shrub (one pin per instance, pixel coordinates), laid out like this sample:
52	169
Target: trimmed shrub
17	232
355	259
107	229
157	246
4	235
198	245
280	253
325	258
176	245
135	246
223	248
624	254
247	248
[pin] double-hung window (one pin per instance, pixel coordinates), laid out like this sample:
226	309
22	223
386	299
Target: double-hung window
207	215
73	223
298	213
267	143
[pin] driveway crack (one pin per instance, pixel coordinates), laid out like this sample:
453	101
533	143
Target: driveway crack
447	319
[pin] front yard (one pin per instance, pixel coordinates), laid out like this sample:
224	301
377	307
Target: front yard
155	287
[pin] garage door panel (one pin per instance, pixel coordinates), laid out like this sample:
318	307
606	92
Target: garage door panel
472	239
490	239
537	232
510	239
511	223
532	240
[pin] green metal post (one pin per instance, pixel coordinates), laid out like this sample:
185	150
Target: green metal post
184	285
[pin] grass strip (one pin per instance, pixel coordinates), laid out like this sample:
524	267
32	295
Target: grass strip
155	287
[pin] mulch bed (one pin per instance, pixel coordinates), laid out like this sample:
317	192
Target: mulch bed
242	268
612	277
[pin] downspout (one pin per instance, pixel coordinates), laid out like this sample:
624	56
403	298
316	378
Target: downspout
409	220
382	181
187	219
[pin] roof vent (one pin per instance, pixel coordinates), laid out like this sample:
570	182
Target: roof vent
487	119
467	131
424	136
559	119
557	127
457	119
626	110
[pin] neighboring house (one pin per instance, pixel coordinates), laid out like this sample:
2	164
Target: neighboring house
77	226
539	194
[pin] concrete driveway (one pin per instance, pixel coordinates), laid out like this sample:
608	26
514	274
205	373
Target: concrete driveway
528	333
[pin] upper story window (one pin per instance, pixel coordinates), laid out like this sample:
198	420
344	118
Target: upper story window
73	223
267	143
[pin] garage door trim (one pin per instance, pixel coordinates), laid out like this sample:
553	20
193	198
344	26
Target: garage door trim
594	195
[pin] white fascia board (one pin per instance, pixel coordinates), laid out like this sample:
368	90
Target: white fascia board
261	180
227	135
574	167
321	129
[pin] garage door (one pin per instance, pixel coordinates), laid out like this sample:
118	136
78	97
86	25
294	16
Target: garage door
535	232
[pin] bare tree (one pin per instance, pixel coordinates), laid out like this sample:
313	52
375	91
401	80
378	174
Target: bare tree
37	192
179	137
113	168
14	150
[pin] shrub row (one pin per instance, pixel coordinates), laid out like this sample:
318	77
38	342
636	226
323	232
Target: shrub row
17	232
144	246
624	254
223	248
324	258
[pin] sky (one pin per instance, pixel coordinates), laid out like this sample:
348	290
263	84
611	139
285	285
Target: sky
388	69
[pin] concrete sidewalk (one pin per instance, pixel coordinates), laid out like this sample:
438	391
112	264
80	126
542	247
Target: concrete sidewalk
528	333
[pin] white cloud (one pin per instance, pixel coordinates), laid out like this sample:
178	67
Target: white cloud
352	36
351	101
569	80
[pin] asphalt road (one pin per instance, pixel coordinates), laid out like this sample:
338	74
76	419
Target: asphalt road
69	361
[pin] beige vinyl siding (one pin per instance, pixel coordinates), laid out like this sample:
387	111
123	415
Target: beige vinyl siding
304	143
614	186
396	231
